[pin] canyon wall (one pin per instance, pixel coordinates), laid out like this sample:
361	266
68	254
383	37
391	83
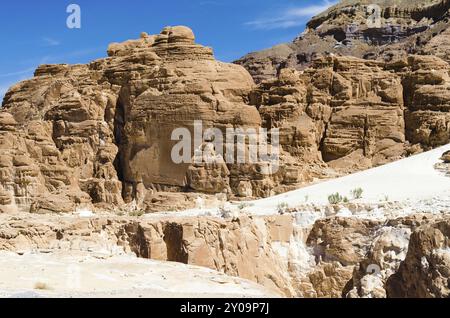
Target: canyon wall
101	134
292	255
384	30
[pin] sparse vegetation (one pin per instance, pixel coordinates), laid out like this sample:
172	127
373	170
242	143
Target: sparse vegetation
137	213
335	198
244	205
283	207
306	198
357	193
345	200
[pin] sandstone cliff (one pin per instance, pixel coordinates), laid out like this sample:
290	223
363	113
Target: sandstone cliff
289	255
371	29
354	114
101	134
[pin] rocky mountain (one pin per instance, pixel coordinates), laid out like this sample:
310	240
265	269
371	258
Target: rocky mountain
87	173
291	255
101	134
383	30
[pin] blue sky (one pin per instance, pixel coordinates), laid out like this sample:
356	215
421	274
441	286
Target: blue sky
35	32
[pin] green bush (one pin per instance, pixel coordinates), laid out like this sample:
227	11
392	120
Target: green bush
335	198
357	193
137	213
283	207
244	205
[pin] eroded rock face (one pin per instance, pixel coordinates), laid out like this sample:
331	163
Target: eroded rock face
285	104
338	244
357	258
425	271
255	248
354	114
177	83
426	99
102	134
62	150
333	257
351	28
446	157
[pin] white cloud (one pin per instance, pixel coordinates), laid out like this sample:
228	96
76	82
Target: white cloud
291	17
22	72
51	42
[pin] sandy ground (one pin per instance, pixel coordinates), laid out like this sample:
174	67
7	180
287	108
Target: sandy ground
413	181
85	275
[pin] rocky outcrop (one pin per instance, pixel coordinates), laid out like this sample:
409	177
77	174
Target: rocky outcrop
383	257
425	271
367	118
357	258
331	257
104	135
354	114
446	157
62	150
177	83
242	247
261	249
369	29
339	245
426	99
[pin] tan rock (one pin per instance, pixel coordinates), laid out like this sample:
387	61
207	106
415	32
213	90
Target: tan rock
105	129
446	157
244	247
425	271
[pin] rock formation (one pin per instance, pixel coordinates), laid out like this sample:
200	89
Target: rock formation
257	249
331	257
371	29
102	134
101	137
425	271
353	114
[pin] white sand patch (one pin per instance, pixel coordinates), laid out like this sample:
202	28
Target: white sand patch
85	213
80	275
412	179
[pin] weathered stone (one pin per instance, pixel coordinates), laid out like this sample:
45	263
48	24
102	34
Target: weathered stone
104	130
352	28
425	271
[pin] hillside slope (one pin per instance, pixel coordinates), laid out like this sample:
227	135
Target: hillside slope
412	179
405	27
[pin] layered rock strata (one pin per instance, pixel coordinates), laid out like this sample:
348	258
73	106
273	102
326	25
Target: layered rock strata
291	255
104	134
383	30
